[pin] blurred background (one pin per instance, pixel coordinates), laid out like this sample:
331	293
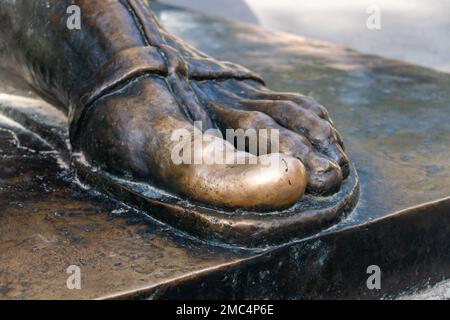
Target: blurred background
417	31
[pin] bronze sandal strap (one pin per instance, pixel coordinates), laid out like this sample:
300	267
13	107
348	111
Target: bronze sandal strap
200	67
206	69
123	67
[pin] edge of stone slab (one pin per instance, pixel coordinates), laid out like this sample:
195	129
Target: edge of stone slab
315	280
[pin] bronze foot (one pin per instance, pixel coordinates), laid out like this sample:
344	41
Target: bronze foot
127	85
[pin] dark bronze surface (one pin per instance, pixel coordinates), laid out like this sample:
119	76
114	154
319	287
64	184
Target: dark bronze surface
394	129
